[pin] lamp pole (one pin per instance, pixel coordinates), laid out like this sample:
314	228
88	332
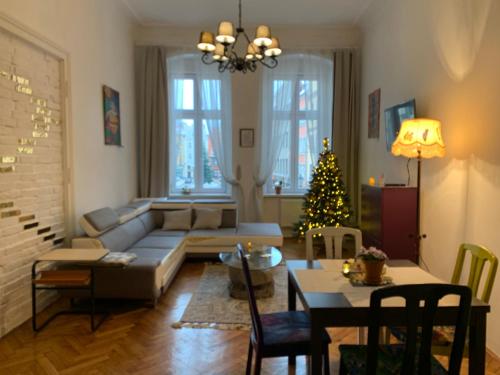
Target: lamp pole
419	236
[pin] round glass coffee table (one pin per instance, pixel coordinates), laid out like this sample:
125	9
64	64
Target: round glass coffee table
261	264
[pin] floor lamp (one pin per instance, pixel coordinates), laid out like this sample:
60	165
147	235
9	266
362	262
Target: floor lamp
419	138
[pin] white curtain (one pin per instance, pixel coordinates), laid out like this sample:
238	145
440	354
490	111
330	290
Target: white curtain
279	104
215	110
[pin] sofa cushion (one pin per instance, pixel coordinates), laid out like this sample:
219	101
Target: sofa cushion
229	218
207	218
140	206
158	242
123	236
99	221
168	233
125	214
158	255
148	220
259	229
221	232
177	220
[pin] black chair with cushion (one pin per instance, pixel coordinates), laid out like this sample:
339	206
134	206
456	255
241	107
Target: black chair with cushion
414	356
279	334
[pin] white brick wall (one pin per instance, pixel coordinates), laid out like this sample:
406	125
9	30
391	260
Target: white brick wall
36	185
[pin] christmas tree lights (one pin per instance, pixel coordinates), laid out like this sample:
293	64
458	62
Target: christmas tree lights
326	203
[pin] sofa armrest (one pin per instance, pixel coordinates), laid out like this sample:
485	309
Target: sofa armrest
86	243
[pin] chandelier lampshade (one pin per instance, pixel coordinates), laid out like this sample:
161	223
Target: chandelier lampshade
263	49
225	33
263	36
206	42
274	48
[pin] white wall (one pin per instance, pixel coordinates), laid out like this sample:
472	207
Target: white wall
246	87
98	37
425	49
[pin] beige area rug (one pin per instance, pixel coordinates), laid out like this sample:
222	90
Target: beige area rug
212	307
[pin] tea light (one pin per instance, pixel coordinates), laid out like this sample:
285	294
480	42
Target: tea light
249	246
346	268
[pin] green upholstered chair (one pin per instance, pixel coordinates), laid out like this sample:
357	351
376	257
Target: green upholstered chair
414	355
479	256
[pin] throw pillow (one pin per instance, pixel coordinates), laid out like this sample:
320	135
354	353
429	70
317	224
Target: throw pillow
208	218
177	220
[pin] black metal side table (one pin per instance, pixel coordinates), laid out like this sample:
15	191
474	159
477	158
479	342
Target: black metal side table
81	279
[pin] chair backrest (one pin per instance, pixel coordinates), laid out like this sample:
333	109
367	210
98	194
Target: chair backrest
332	233
254	311
423	317
479	256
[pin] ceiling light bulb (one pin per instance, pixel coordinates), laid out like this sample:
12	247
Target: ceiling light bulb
206	43
225	33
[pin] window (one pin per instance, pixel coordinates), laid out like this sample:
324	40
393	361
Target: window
196	108
301	96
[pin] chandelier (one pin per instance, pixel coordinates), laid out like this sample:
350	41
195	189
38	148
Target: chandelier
221	49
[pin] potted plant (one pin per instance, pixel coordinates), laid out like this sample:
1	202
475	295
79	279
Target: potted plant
278	186
373	261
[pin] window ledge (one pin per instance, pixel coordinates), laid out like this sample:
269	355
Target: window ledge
284	196
200	196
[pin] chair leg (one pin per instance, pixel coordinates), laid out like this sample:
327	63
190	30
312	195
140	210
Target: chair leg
342	369
249	358
326	361
258	363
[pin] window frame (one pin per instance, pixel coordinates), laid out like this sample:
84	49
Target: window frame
197	115
295	119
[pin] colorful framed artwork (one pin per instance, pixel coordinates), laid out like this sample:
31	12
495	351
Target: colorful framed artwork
246	138
111	109
374	114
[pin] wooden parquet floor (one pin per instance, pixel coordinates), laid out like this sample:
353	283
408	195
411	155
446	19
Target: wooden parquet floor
139	340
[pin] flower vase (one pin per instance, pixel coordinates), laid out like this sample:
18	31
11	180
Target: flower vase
277	189
373	271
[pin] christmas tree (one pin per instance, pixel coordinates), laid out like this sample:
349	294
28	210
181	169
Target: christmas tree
326	204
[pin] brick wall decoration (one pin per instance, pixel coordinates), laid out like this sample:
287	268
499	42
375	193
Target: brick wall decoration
31	171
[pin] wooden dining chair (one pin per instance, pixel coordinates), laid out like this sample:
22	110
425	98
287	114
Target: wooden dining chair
278	334
479	256
414	355
335	235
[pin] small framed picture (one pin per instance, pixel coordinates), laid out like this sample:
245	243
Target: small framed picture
246	138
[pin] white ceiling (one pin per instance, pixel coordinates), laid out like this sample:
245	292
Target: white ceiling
271	12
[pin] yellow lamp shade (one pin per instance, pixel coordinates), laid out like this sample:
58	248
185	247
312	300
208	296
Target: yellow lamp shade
274	48
253	52
263	36
206	43
225	33
219	52
419	137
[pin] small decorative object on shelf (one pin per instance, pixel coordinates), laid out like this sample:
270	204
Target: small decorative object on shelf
371	181
278	186
373	260
186	191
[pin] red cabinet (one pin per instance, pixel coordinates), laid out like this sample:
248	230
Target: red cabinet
389	220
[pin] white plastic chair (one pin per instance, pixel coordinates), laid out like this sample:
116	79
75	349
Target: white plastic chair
335	233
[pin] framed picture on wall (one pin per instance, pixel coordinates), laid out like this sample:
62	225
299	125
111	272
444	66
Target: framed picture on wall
374	114
111	109
246	138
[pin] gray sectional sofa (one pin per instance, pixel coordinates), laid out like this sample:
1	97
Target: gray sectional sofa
137	229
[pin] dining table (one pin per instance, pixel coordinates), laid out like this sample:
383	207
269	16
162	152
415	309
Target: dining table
332	300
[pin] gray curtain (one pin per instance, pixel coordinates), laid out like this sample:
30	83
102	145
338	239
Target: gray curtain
152	120
346	119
